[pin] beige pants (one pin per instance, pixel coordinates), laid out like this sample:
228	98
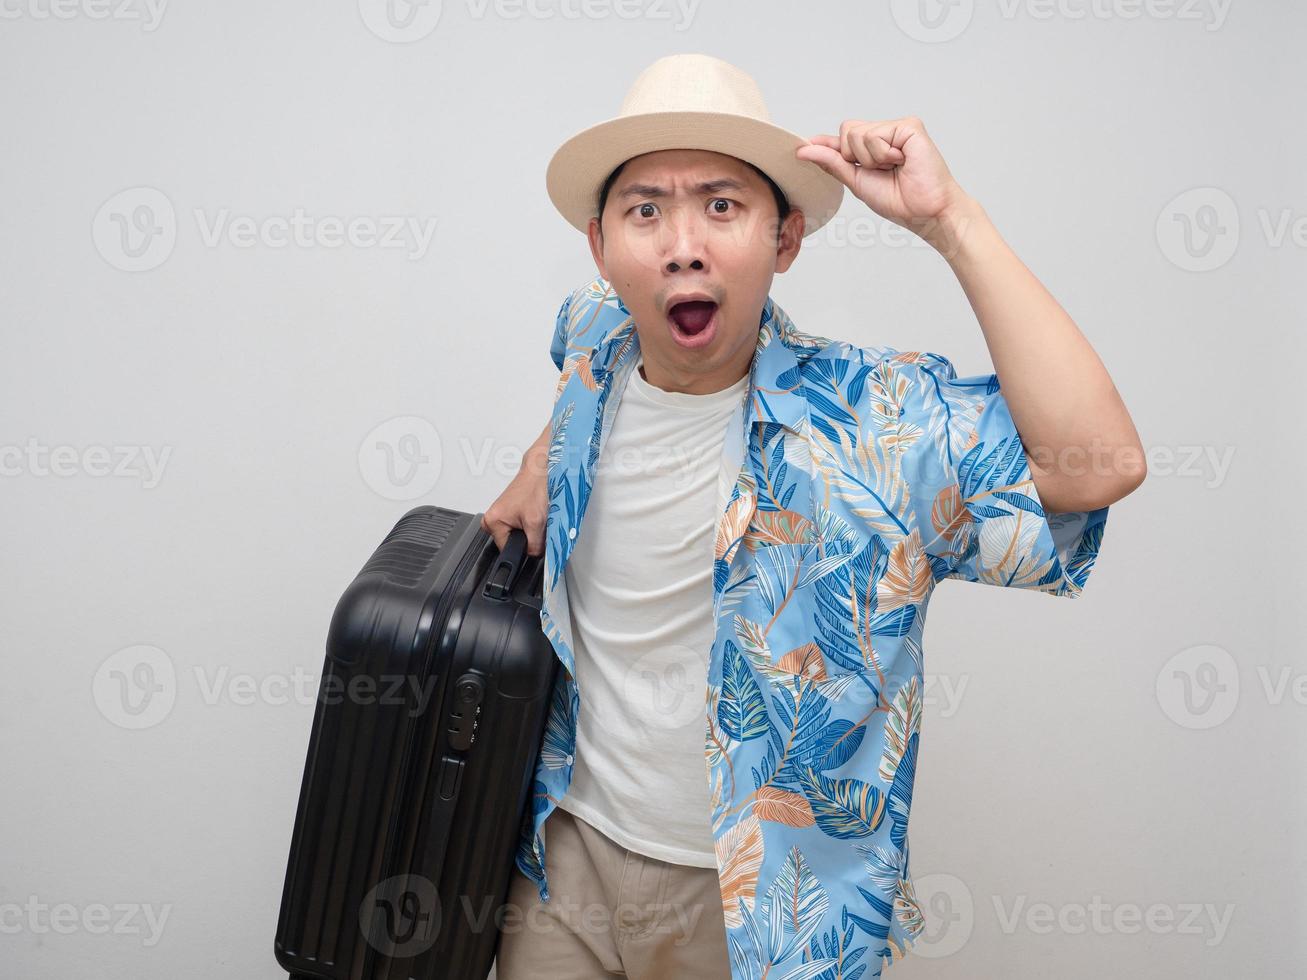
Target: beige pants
611	912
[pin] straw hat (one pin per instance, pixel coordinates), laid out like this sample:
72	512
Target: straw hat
696	102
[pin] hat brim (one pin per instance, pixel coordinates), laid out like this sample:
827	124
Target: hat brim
580	166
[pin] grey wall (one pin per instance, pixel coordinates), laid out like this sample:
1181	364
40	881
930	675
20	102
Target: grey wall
1108	787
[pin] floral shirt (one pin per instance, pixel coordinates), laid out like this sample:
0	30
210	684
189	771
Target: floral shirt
866	475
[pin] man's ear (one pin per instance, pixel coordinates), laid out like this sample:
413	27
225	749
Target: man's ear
789	239
595	235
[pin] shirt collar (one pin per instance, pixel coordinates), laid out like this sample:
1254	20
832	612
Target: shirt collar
776	389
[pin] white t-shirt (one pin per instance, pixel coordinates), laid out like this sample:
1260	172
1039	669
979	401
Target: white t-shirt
639	585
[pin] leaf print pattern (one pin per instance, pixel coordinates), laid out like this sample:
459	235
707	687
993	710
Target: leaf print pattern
844	808
907	577
795	904
903	722
739	856
869	474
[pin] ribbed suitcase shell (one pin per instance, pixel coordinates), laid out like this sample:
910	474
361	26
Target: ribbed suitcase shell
411	807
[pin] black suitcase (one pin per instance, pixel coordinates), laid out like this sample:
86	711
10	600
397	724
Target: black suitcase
428	724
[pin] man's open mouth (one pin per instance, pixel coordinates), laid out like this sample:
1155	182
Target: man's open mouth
692	317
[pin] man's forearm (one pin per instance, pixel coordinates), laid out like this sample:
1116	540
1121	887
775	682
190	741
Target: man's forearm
536	458
1084	449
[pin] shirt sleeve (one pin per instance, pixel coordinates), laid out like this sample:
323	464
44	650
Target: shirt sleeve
970	489
562	332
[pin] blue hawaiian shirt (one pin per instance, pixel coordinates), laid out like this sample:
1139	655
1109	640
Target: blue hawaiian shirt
866	476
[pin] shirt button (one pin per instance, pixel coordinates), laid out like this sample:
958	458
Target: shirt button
569	760
571	532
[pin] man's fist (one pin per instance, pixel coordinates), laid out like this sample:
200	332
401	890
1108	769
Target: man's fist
892	166
524	502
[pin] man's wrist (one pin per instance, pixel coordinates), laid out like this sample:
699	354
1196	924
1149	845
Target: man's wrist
536	459
959	230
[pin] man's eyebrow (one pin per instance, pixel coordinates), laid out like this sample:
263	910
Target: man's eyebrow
703	187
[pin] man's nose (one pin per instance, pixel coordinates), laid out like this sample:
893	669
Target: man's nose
684	241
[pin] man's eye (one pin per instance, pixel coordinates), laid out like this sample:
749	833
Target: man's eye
723	200
640	208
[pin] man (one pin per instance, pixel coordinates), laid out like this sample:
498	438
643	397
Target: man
786	553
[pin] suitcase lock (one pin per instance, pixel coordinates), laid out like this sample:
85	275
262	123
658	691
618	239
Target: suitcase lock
469	691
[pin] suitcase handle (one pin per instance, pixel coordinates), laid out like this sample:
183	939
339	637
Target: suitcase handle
507	567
